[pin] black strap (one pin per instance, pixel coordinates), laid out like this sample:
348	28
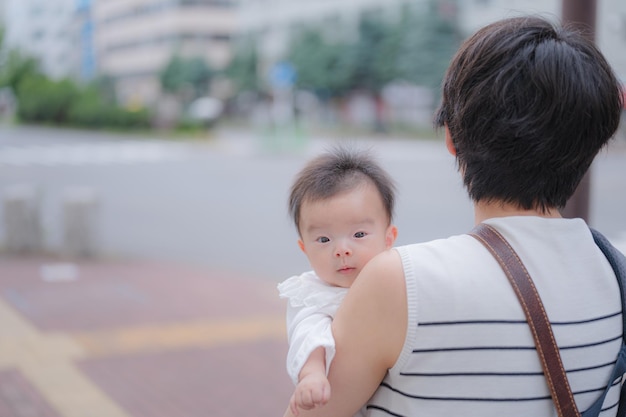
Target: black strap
618	263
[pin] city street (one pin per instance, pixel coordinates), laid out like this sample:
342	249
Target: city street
178	315
222	202
218	203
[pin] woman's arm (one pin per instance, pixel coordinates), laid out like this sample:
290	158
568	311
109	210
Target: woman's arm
369	331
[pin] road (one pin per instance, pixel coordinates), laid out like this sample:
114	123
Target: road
221	202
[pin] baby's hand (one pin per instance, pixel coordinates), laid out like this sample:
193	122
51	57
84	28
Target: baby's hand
313	390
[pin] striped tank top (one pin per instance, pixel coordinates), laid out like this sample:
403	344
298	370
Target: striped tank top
468	349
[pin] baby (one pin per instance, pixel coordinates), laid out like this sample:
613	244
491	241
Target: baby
342	205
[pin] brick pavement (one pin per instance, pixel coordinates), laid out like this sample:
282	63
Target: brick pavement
138	339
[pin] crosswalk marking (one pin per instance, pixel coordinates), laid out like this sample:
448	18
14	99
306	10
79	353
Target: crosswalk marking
101	153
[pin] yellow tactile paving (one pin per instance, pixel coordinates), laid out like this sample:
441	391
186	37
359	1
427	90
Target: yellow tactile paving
47	358
77	396
13	325
195	334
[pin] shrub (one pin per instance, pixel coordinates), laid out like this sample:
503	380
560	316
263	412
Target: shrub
43	100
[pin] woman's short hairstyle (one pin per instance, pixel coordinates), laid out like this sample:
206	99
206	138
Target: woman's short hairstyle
528	105
336	171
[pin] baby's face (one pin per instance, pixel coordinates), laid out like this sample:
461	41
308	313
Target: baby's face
341	234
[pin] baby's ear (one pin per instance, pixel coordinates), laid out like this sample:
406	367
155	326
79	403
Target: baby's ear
301	245
392	235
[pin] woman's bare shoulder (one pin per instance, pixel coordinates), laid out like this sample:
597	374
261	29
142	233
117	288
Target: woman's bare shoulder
385	270
377	304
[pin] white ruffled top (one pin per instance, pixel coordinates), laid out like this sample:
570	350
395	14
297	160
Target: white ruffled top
308	290
311	306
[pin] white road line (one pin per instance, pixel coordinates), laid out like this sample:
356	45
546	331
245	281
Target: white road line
93	154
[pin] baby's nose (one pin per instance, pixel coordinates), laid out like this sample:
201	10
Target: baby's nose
342	251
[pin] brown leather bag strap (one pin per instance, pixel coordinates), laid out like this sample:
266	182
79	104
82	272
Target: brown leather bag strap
535	314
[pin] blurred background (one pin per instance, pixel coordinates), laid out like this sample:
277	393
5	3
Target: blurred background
177	64
146	152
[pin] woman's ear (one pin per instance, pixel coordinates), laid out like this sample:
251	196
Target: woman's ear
449	143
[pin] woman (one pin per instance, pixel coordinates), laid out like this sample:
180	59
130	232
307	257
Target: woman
435	329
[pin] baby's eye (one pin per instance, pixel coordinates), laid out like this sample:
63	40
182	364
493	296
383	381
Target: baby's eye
359	235
323	239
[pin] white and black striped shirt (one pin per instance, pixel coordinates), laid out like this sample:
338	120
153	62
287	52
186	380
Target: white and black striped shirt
469	350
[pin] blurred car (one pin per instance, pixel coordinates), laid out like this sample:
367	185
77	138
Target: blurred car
205	110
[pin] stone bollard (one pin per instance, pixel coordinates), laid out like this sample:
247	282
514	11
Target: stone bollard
22	219
80	207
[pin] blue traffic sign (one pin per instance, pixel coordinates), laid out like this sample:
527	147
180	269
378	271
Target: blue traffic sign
282	74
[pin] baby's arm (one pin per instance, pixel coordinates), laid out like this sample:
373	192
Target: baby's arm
311	342
311	349
313	388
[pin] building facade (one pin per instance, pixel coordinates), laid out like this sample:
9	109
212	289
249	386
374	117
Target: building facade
3	5
272	23
131	41
610	27
135	39
611	34
44	30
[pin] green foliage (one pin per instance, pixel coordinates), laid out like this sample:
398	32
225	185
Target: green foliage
63	102
243	68
89	109
416	47
16	68
172	77
186	73
376	50
104	86
325	68
128	119
92	111
43	100
428	44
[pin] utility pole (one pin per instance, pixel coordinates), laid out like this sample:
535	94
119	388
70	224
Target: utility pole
580	13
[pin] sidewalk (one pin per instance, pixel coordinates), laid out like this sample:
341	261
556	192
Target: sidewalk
138	339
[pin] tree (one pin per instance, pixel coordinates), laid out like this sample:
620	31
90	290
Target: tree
376	53
243	67
428	43
322	67
182	75
16	68
415	48
43	100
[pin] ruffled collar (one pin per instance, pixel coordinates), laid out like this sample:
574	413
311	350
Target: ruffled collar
308	290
